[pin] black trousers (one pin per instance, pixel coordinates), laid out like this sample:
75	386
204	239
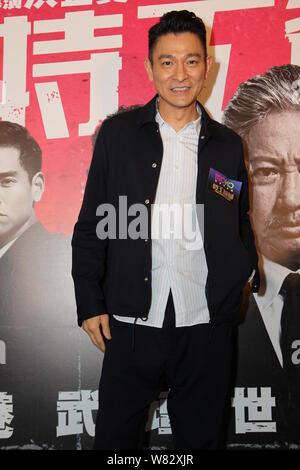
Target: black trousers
193	361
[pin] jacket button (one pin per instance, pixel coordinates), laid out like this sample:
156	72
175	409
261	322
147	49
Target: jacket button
147	201
154	165
146	239
202	137
145	279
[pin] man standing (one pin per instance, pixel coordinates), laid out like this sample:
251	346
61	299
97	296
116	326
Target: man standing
159	307
265	112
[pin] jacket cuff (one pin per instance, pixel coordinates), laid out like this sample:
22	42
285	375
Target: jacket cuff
98	309
89	298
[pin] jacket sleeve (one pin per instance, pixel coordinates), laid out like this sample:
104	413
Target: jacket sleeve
88	251
246	232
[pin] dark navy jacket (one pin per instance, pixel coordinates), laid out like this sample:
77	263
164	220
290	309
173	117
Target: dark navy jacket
114	276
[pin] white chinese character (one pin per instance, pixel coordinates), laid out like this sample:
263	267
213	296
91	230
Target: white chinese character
293	4
158	417
253	412
39	3
102	67
100	2
9	4
76	3
6	416
15	31
75	411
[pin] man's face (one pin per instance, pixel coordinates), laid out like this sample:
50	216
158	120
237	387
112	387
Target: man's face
17	194
178	70
274	157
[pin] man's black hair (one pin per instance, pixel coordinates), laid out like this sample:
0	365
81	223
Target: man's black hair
176	22
16	136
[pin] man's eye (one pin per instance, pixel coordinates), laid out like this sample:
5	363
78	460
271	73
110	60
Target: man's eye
8	182
192	62
265	174
166	62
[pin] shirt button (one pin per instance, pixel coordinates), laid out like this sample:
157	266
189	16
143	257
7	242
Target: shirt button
147	201
145	279
154	165
176	166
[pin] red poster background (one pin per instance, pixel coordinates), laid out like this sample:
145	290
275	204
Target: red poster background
258	42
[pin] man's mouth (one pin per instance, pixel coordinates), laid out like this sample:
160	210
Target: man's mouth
291	229
180	89
287	225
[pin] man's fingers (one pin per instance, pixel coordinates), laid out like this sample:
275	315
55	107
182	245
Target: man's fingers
105	326
92	327
97	339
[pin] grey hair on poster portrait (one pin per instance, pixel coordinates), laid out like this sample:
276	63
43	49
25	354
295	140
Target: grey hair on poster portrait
276	90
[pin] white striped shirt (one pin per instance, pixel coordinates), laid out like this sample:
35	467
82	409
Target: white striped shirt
175	265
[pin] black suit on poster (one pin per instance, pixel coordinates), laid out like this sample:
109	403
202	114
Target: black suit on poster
127	146
41	339
258	366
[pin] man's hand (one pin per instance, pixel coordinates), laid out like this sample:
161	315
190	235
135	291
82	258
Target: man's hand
92	327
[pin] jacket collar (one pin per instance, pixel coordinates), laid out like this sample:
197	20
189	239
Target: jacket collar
147	114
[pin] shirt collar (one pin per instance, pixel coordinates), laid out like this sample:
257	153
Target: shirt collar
196	124
274	276
4	248
209	127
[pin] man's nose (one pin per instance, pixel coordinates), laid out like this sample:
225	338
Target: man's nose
180	72
289	191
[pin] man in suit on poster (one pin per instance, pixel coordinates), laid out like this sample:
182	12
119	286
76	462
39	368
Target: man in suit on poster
162	307
265	112
36	320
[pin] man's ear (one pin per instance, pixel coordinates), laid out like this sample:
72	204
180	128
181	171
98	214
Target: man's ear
209	62
148	67
38	186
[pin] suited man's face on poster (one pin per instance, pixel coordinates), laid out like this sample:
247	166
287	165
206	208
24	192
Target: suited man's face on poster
274	162
18	193
265	112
